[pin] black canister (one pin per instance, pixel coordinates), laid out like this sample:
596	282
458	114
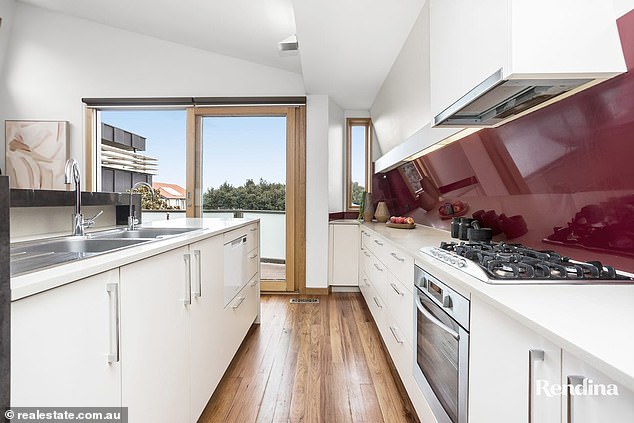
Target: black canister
465	224
455	227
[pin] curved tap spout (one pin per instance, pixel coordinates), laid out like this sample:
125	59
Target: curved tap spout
132	220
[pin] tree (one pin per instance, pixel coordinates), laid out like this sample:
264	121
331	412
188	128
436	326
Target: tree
357	193
250	196
153	202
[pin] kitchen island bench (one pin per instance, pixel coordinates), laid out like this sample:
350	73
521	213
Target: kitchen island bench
151	327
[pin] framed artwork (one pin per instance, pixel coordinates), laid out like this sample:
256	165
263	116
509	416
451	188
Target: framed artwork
412	177
36	152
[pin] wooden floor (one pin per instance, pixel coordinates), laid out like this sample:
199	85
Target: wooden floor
311	363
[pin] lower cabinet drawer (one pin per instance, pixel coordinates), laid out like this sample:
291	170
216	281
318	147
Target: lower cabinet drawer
400	303
240	313
253	261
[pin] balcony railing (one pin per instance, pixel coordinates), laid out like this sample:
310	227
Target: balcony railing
272	227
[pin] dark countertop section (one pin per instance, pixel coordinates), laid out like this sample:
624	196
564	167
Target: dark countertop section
42	198
5	296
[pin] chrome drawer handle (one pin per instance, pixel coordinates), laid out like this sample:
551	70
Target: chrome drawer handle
378	242
199	293
365	233
253	229
377	267
188	282
395	288
253	256
366	282
533	356
397	257
239	302
367	254
395	334
376	301
113	294
254	283
573	381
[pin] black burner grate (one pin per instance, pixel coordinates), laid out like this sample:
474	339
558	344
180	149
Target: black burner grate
515	261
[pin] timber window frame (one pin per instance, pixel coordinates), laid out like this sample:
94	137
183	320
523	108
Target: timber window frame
350	124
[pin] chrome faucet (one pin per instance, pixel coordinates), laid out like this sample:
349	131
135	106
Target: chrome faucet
132	220
72	175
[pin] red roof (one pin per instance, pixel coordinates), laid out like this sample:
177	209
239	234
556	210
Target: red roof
171	191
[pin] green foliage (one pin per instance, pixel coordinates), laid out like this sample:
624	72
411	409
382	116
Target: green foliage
357	193
250	196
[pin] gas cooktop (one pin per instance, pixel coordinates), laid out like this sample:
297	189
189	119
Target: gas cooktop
502	263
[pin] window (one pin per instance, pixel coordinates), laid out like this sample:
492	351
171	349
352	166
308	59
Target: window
359	159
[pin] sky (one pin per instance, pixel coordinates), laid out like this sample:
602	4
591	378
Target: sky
234	148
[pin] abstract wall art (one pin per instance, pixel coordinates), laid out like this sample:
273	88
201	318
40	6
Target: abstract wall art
36	152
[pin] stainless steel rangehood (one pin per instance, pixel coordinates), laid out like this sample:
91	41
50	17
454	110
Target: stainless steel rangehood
496	100
496	60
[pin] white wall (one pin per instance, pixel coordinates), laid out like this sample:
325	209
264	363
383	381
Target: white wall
336	148
402	105
54	60
317	132
6	13
621	7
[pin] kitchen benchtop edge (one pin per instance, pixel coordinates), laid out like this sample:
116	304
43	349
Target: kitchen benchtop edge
43	280
572	316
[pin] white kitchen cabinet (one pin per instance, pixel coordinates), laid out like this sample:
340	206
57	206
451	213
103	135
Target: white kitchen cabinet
343	254
204	314
237	318
471	40
64	345
155	337
599	401
502	367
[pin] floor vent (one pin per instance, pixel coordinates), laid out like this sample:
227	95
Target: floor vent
304	300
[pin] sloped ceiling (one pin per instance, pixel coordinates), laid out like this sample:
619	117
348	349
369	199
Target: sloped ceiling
347	47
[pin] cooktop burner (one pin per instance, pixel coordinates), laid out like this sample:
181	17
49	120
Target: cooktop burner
515	263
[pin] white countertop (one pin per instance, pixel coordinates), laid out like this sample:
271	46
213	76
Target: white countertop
593	322
52	277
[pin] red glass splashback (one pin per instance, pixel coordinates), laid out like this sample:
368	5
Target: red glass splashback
567	170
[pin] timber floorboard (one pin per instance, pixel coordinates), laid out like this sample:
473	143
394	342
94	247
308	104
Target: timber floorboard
312	363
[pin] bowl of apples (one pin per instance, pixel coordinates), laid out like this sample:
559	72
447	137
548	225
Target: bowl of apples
401	222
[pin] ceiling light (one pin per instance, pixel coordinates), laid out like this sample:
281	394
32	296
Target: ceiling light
288	46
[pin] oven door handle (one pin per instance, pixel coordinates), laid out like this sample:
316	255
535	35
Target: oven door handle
434	320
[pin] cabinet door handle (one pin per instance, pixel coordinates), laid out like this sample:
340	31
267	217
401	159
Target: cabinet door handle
395	334
238	303
379	243
252	256
378	267
572	382
395	288
199	265
533	356
253	229
188	281
367	254
376	301
397	257
366	282
365	233
255	282
113	294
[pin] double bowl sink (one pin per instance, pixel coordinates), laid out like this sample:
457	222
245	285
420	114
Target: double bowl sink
36	255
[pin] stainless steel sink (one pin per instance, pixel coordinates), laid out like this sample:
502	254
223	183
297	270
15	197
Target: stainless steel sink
81	245
36	255
143	233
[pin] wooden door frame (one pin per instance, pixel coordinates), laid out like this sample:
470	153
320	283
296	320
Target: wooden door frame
295	179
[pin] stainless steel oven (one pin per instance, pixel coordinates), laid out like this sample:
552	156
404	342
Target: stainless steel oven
441	365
